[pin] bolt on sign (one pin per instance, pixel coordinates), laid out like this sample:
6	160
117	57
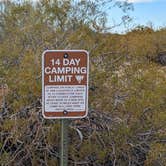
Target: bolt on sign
65	84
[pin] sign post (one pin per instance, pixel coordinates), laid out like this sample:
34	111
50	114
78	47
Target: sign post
64	142
65	89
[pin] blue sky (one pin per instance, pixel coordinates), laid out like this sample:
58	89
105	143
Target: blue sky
145	11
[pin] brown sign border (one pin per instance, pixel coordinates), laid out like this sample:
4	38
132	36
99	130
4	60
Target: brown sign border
61	115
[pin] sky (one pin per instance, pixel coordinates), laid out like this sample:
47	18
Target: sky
146	12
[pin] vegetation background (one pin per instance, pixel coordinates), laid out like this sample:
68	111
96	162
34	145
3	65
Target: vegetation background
126	124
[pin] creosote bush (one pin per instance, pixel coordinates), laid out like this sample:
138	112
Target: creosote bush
127	92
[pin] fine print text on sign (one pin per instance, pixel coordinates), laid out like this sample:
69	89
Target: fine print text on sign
65	83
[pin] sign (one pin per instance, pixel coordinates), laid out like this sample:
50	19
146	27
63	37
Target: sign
65	84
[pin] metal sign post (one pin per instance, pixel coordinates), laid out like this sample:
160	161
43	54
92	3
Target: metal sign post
65	89
64	142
